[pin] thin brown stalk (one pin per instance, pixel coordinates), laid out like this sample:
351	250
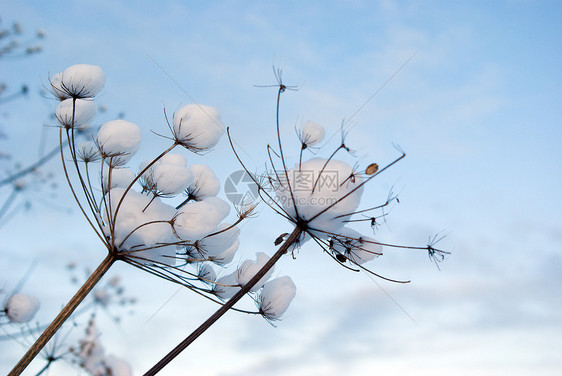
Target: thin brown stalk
226	306
63	315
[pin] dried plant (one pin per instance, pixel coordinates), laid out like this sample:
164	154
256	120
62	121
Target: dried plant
142	220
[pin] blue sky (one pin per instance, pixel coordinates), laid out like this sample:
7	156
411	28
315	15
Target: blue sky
477	109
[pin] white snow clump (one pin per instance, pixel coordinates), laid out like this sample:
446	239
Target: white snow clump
276	296
335	197
221	245
78	81
117	177
88	151
198	127
143	222
21	308
206	273
205	182
250	268
168	176
118	141
197	219
311	133
226	286
83	112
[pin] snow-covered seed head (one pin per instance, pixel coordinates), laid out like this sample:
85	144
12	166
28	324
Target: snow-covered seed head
169	175
197	219
311	134
226	286
88	152
221	245
142	227
197	127
118	141
117	177
21	308
56	87
206	273
78	81
323	192
351	245
276	296
205	182
250	268
75	114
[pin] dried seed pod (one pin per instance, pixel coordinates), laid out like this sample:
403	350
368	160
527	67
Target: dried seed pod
372	169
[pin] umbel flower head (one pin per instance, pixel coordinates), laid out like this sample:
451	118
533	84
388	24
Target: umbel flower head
78	81
75	113
137	212
135	217
197	127
321	197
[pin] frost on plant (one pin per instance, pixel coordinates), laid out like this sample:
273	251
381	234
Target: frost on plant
164	217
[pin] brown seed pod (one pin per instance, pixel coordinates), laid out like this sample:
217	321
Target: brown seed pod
372	168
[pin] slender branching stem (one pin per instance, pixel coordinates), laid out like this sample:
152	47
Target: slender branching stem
63	315
226	306
66	175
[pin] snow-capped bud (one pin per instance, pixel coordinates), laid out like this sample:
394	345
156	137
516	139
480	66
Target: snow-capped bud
206	273
77	115
142	227
171	175
221	245
120	177
205	182
250	268
226	286
351	245
197	219
276	296
325	192
78	81
118	141
21	308
88	151
56	87
198	127
311	133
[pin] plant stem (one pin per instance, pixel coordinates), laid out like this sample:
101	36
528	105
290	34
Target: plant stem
226	306
63	315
